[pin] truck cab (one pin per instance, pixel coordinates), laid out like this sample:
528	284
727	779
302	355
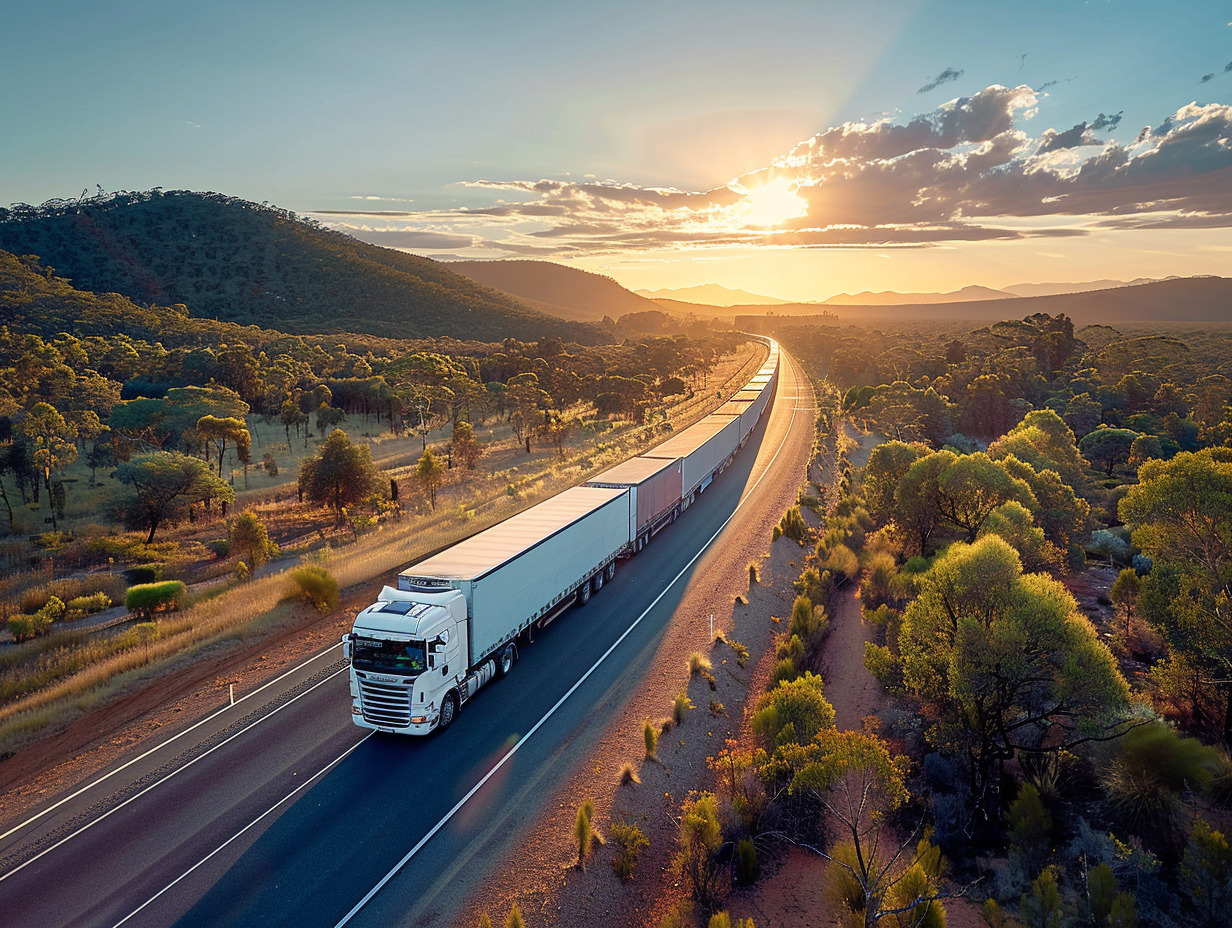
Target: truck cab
408	655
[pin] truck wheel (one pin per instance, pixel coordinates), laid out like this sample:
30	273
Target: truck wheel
504	663
611	571
449	710
584	593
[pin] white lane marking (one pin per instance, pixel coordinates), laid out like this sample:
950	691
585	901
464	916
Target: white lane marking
90	824
560	702
158	747
337	760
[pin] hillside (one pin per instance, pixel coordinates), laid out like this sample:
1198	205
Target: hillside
1183	300
554	288
249	263
33	300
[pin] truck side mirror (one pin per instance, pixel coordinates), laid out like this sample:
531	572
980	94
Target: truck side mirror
346	647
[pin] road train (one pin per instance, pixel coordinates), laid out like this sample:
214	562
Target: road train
456	619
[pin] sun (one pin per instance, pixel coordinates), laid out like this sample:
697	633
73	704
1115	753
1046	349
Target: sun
772	203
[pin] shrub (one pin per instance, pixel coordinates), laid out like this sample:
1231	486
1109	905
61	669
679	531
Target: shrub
515	917
146	573
698	664
146	599
630	841
651	738
241	571
700	839
752	574
742	652
1030	825
584	835
793	525
876	589
842	563
249	535
628	774
746	862
680	705
314	585
716	707
86	605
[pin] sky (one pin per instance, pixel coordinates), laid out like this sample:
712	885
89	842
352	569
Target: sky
792	149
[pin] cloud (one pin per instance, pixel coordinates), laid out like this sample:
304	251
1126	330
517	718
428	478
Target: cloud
964	171
1106	122
375	199
949	74
415	239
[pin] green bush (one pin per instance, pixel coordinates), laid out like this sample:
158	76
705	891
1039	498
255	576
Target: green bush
746	862
146	599
86	605
680	705
630	842
651	737
145	574
793	525
314	585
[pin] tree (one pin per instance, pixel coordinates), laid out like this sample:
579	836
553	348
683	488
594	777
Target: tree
218	431
1043	440
701	836
463	447
1181	511
340	474
292	415
164	486
430	472
1005	663
53	445
887	464
249	534
1206	874
327	417
1108	447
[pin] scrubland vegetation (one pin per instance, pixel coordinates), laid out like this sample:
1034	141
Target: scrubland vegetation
163	470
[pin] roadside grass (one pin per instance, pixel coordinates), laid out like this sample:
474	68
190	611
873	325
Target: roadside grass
57	678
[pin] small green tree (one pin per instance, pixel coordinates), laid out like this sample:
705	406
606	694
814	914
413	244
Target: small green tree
430	471
340	474
701	836
249	534
1206	874
585	837
630	842
464	448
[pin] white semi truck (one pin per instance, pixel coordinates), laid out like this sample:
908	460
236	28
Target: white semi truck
456	619
454	622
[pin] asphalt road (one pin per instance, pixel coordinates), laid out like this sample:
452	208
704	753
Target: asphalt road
280	812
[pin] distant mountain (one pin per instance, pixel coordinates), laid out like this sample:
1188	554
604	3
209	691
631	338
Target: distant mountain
554	288
1180	300
1051	289
891	298
711	295
250	263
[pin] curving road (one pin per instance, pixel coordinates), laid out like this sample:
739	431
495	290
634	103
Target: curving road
278	811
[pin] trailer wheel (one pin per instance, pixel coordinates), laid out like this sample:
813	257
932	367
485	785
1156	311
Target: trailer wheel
611	571
504	663
597	581
449	711
584	593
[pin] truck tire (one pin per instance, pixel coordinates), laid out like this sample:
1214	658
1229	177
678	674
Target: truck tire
584	593
505	662
611	571
449	711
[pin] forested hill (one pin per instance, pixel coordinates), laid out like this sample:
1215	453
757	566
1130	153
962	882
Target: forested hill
34	301
555	288
254	264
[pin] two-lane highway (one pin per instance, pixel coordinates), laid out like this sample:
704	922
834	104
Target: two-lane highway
283	813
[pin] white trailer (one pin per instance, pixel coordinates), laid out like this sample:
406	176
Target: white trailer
703	449
422	650
654	495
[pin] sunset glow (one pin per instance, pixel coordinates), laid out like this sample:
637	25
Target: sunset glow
772	203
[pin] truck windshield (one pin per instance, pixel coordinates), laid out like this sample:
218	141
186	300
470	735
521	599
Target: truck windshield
405	657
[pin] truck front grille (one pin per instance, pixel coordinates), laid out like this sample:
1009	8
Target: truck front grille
385	704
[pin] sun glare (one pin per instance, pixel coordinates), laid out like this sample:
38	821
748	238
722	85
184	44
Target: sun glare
772	203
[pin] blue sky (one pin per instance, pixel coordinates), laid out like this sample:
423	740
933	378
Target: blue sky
311	106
